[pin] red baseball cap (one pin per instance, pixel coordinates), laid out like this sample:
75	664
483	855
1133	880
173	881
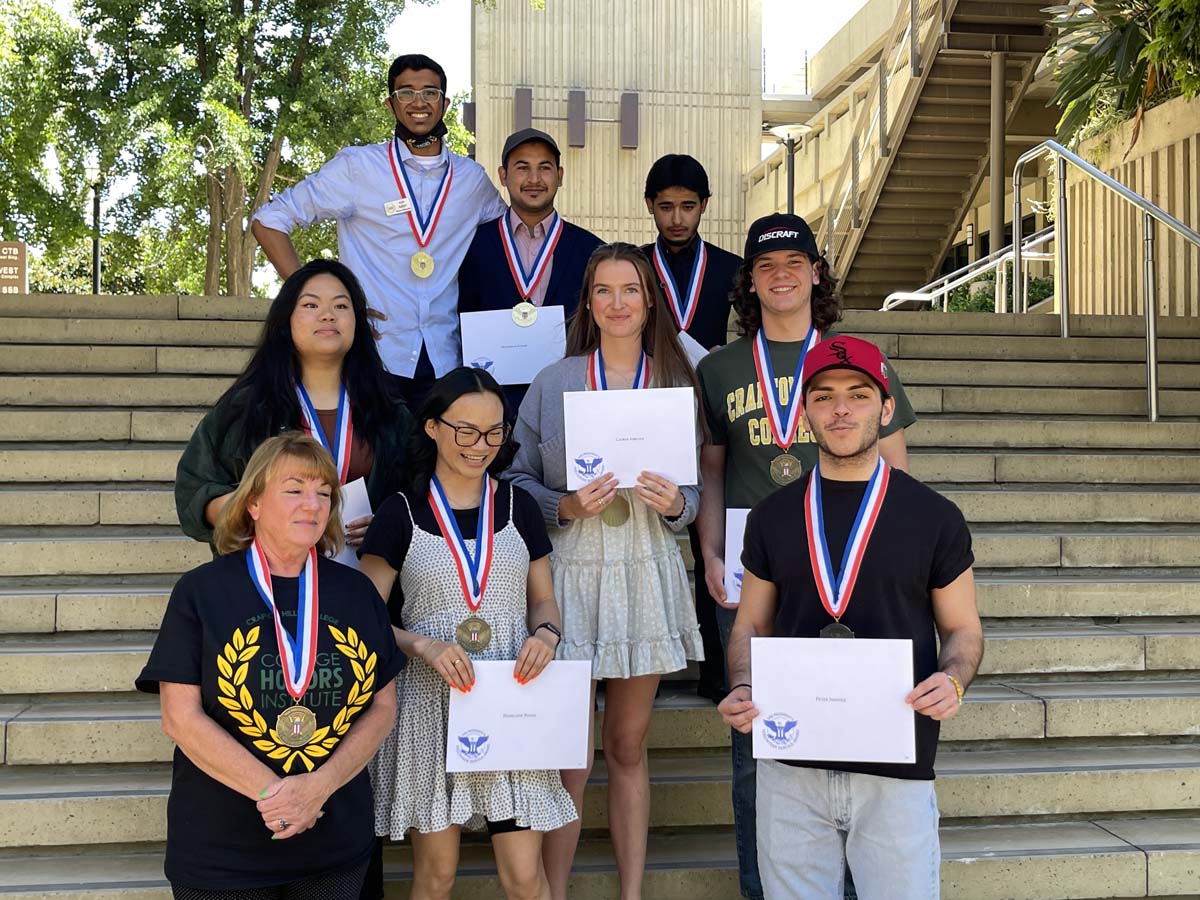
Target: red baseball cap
845	352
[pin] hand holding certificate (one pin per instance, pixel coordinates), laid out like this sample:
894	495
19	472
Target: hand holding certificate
505	726
513	351
355	505
629	432
834	700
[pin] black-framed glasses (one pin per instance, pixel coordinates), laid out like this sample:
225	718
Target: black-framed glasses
468	435
408	95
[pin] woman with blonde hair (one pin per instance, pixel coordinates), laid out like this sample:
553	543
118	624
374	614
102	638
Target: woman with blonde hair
618	572
274	667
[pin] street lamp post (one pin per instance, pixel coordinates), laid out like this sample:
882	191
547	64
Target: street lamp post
91	170
786	135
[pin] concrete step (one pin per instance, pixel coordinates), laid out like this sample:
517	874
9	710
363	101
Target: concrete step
79	609
1026	433
55	732
1023	373
1016	401
105	359
119	390
54	806
980	862
102	552
146	505
926	322
96	663
127	332
1034	348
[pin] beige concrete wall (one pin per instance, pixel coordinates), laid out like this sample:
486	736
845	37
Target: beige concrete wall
1106	236
856	43
696	65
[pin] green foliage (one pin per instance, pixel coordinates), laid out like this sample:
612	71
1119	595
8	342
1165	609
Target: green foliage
983	298
1116	58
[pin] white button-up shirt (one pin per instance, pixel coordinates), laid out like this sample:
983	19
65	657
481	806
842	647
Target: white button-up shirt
352	189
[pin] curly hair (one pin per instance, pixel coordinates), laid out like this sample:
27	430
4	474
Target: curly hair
826	302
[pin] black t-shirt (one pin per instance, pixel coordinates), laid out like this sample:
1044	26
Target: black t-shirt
219	634
710	326
920	543
391	530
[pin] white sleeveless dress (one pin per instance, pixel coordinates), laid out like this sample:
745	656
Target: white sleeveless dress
408	774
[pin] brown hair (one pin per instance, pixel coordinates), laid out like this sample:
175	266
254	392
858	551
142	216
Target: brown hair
669	366
235	527
825	302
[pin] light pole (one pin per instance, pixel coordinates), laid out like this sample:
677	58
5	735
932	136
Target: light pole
92	171
786	135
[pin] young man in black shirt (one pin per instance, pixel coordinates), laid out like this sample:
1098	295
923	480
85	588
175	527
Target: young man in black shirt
696	278
910	578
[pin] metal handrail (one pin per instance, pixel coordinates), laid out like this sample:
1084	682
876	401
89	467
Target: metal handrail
1150	213
943	285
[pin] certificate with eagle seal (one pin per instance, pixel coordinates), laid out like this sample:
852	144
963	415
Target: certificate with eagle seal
835	701
513	353
503	726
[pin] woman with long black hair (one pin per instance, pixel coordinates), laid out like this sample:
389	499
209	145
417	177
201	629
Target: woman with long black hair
315	368
471	558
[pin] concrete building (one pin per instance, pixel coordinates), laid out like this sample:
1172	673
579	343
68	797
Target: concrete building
619	84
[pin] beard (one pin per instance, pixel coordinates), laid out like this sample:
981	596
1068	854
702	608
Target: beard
868	440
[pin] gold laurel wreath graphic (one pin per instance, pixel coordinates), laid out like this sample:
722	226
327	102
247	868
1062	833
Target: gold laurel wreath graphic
233	664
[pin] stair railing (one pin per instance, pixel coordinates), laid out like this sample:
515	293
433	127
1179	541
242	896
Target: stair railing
910	43
940	288
1150	213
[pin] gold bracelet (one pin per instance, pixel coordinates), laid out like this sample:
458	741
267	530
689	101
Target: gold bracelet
958	688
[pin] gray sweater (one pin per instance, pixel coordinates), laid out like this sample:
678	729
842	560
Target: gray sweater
541	463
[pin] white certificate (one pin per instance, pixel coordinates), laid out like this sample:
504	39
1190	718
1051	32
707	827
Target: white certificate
355	504
513	353
629	432
735	532
840	700
503	726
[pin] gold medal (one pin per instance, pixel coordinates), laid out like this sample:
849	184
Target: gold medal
785	469
615	513
421	264
295	726
473	634
524	314
836	630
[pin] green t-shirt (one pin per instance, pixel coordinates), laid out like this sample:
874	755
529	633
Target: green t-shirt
734	411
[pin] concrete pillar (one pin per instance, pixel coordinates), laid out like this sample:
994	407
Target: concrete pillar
996	152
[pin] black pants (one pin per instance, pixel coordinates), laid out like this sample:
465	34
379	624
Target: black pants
712	669
343	885
416	389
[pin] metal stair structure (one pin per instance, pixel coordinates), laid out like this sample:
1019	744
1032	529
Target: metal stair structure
922	140
1073	770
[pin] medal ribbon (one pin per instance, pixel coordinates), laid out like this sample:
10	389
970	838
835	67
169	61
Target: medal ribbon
339	449
472	571
685	309
595	375
422	226
785	420
297	656
835	588
527	282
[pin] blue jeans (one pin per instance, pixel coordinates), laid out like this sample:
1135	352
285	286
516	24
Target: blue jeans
812	821
744	776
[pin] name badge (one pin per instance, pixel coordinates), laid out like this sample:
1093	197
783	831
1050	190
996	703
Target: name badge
397	207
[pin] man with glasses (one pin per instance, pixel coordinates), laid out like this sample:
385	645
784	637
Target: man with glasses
406	211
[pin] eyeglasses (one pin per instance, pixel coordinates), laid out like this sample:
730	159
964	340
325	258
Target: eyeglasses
408	95
467	436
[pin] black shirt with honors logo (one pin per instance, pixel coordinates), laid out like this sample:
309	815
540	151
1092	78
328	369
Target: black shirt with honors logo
920	543
219	634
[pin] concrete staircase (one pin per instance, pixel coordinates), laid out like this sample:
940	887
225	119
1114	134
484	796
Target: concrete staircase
1072	772
913	199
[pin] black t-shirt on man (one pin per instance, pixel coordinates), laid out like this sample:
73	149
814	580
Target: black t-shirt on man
920	543
218	633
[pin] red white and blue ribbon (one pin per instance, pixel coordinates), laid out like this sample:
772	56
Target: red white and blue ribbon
343	435
836	587
297	656
684	308
784	418
527	282
422	226
597	381
473	570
